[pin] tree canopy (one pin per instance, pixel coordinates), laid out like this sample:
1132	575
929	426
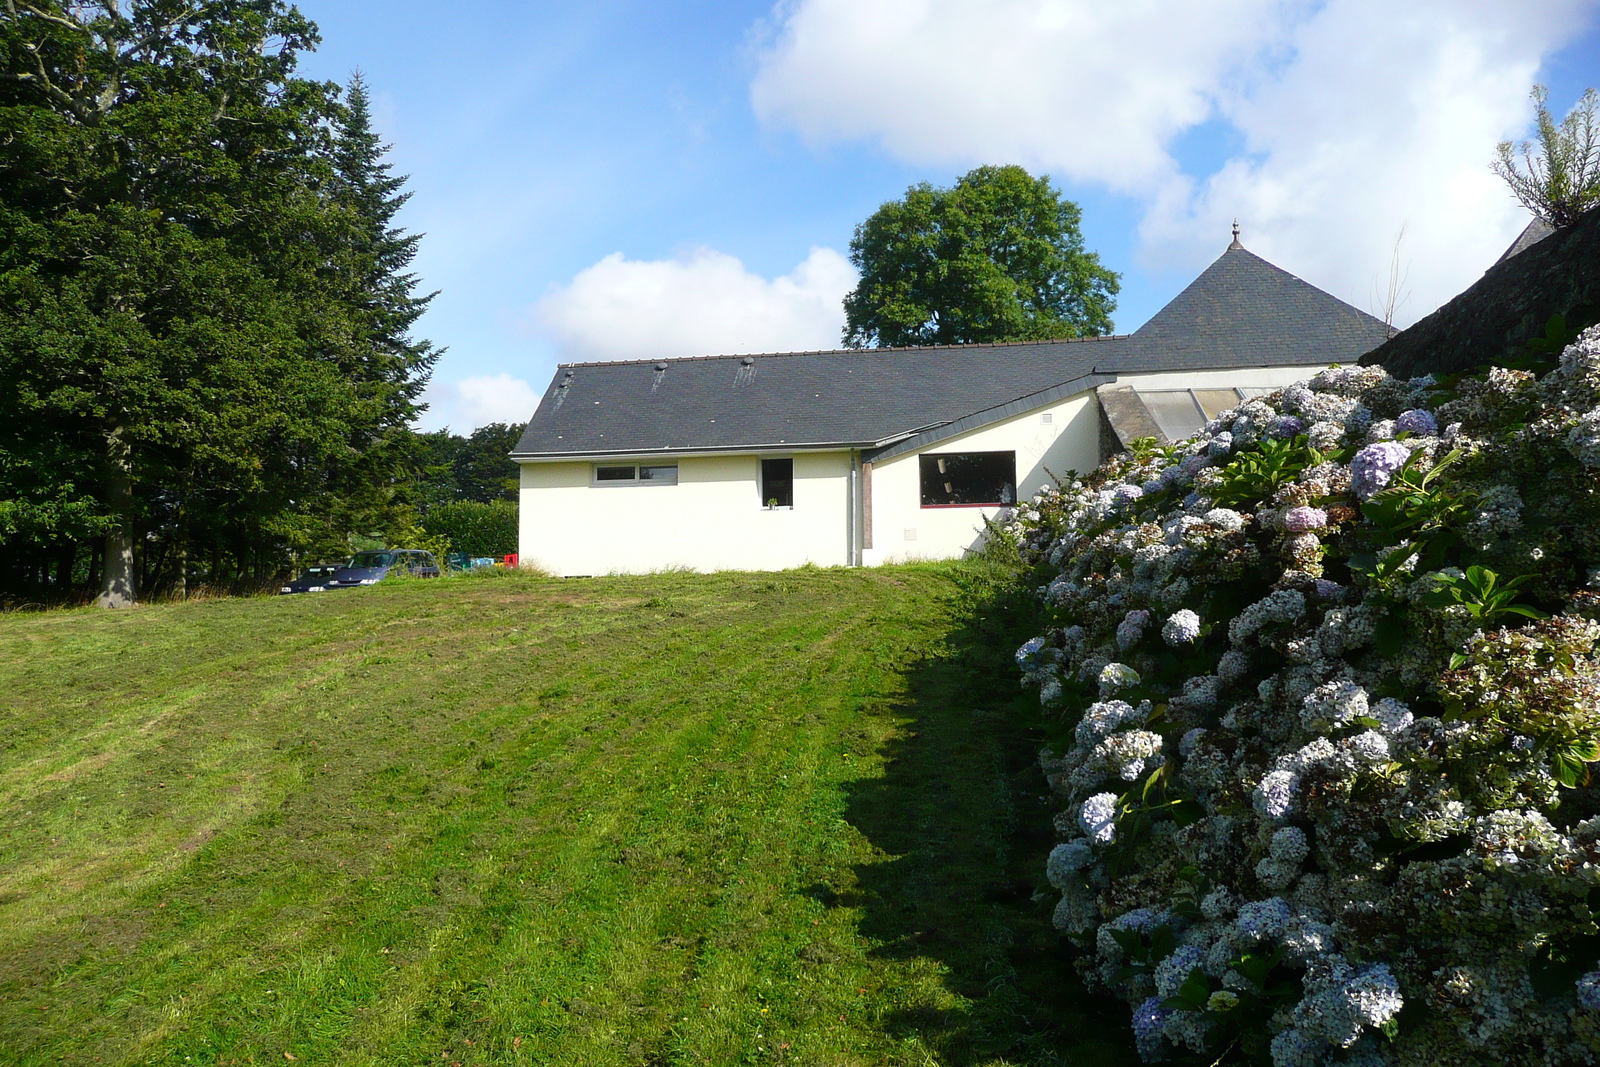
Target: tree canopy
477	468
997	257
204	314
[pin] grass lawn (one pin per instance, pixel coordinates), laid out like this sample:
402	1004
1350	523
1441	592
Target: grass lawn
673	819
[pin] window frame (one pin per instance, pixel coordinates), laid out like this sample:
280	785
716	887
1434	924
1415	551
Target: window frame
596	482
761	479
922	493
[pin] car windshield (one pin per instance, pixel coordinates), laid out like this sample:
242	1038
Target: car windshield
373	559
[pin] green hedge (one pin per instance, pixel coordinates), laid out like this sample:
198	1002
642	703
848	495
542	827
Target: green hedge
476	529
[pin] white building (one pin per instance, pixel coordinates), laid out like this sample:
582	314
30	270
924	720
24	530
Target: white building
863	456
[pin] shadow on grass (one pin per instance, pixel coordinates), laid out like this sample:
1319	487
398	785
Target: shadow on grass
964	811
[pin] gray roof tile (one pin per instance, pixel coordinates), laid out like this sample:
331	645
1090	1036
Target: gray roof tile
1240	312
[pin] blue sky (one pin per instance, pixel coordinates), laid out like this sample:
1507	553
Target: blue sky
629	179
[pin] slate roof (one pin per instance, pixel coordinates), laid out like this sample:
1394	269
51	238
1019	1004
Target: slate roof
1241	312
1244	312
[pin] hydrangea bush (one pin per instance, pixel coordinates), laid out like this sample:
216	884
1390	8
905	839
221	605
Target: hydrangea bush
1328	692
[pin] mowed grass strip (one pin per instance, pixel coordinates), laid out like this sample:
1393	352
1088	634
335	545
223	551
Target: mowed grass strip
672	819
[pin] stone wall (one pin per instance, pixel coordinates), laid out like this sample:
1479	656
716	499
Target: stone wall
1491	321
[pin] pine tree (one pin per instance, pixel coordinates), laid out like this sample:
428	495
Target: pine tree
373	264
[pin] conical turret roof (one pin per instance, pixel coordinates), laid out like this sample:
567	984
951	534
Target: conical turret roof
1243	311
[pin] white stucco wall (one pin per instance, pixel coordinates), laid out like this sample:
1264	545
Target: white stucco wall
903	529
712	519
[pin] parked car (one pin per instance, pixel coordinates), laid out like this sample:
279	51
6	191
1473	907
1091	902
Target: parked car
314	579
370	568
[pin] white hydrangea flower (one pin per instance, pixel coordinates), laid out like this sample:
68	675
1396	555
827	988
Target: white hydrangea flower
1333	704
1101	718
1066	859
1114	677
1181	628
1098	818
1225	519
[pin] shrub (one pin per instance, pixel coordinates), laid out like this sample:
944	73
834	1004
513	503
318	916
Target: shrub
1557	179
475	528
1324	749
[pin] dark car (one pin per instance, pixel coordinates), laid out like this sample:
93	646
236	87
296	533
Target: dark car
370	568
314	579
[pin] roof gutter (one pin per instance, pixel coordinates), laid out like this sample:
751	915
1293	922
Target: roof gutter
690	453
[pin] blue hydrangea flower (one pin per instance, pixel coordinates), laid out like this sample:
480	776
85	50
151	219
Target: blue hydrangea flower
1275	795
1589	991
1147	1021
1029	652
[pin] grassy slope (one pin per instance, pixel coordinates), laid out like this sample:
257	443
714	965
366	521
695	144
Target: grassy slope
673	819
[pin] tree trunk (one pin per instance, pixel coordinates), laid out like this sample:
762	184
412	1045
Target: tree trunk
180	553
116	576
66	557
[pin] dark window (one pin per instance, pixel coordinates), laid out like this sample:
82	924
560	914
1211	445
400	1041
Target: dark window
777	483
659	475
969	478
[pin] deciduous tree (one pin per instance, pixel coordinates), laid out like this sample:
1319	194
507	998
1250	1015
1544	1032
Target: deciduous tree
996	257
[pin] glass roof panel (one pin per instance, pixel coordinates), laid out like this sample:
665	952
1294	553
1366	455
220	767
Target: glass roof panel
1175	412
1215	401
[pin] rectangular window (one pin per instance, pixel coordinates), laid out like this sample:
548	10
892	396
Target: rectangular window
628	474
969	479
777	483
662	475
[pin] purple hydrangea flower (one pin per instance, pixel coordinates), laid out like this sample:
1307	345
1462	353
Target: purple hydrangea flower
1131	629
1288	426
1181	628
1328	589
1417	421
1098	817
1374	465
1127	492
1300	520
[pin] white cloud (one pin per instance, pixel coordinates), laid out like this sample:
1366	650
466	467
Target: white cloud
1092	90
466	404
705	303
1357	116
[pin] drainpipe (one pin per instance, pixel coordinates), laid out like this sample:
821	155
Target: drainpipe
853	511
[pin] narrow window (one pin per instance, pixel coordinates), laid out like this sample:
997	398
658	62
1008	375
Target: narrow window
777	483
969	479
659	475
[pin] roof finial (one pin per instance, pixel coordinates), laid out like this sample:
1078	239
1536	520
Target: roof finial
1236	243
